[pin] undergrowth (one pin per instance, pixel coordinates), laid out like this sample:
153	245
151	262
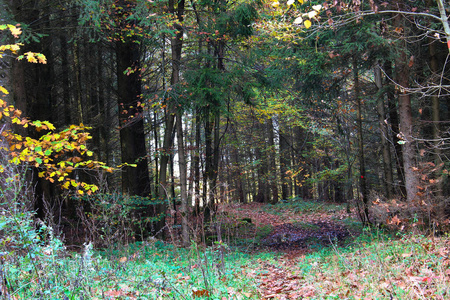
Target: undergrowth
152	270
379	266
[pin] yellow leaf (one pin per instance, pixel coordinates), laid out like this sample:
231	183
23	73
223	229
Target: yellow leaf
307	24
80	192
30	57
3	90
276	4
15	31
42	59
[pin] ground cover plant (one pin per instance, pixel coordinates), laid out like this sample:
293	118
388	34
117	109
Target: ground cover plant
370	264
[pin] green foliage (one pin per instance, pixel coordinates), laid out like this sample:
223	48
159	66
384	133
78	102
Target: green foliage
28	247
240	20
150	270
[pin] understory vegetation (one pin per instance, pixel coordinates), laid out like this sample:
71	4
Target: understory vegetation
366	263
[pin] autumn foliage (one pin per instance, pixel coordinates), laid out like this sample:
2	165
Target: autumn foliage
55	154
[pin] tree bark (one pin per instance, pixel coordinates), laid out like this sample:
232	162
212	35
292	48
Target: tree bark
272	164
177	46
362	167
435	116
406	127
387	161
285	164
394	123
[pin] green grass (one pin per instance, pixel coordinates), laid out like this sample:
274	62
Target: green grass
150	271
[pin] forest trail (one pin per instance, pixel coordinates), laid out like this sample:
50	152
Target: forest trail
293	230
293	233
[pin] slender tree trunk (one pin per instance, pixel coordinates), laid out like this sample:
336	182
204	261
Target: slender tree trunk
183	182
273	164
78	92
197	164
284	164
406	123
387	162
177	46
435	117
362	167
394	122
261	157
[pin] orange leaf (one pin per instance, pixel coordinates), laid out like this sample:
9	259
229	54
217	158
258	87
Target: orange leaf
200	293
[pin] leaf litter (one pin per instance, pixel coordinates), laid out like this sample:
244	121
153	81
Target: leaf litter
410	266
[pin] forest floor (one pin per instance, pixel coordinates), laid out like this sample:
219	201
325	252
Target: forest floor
293	232
291	250
322	252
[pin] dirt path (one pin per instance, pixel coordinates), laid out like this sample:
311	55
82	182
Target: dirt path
293	234
292	231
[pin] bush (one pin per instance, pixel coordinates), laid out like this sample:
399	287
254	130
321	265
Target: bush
111	217
428	215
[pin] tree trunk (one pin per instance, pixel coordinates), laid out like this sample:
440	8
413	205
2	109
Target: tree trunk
362	167
406	126
272	164
394	122
183	182
177	46
387	162
135	180
435	115
285	164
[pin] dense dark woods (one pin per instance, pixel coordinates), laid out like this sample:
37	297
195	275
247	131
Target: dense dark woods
198	103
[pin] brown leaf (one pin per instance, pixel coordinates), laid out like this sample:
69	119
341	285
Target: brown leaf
200	293
411	61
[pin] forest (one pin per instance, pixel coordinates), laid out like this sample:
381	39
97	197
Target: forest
216	149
